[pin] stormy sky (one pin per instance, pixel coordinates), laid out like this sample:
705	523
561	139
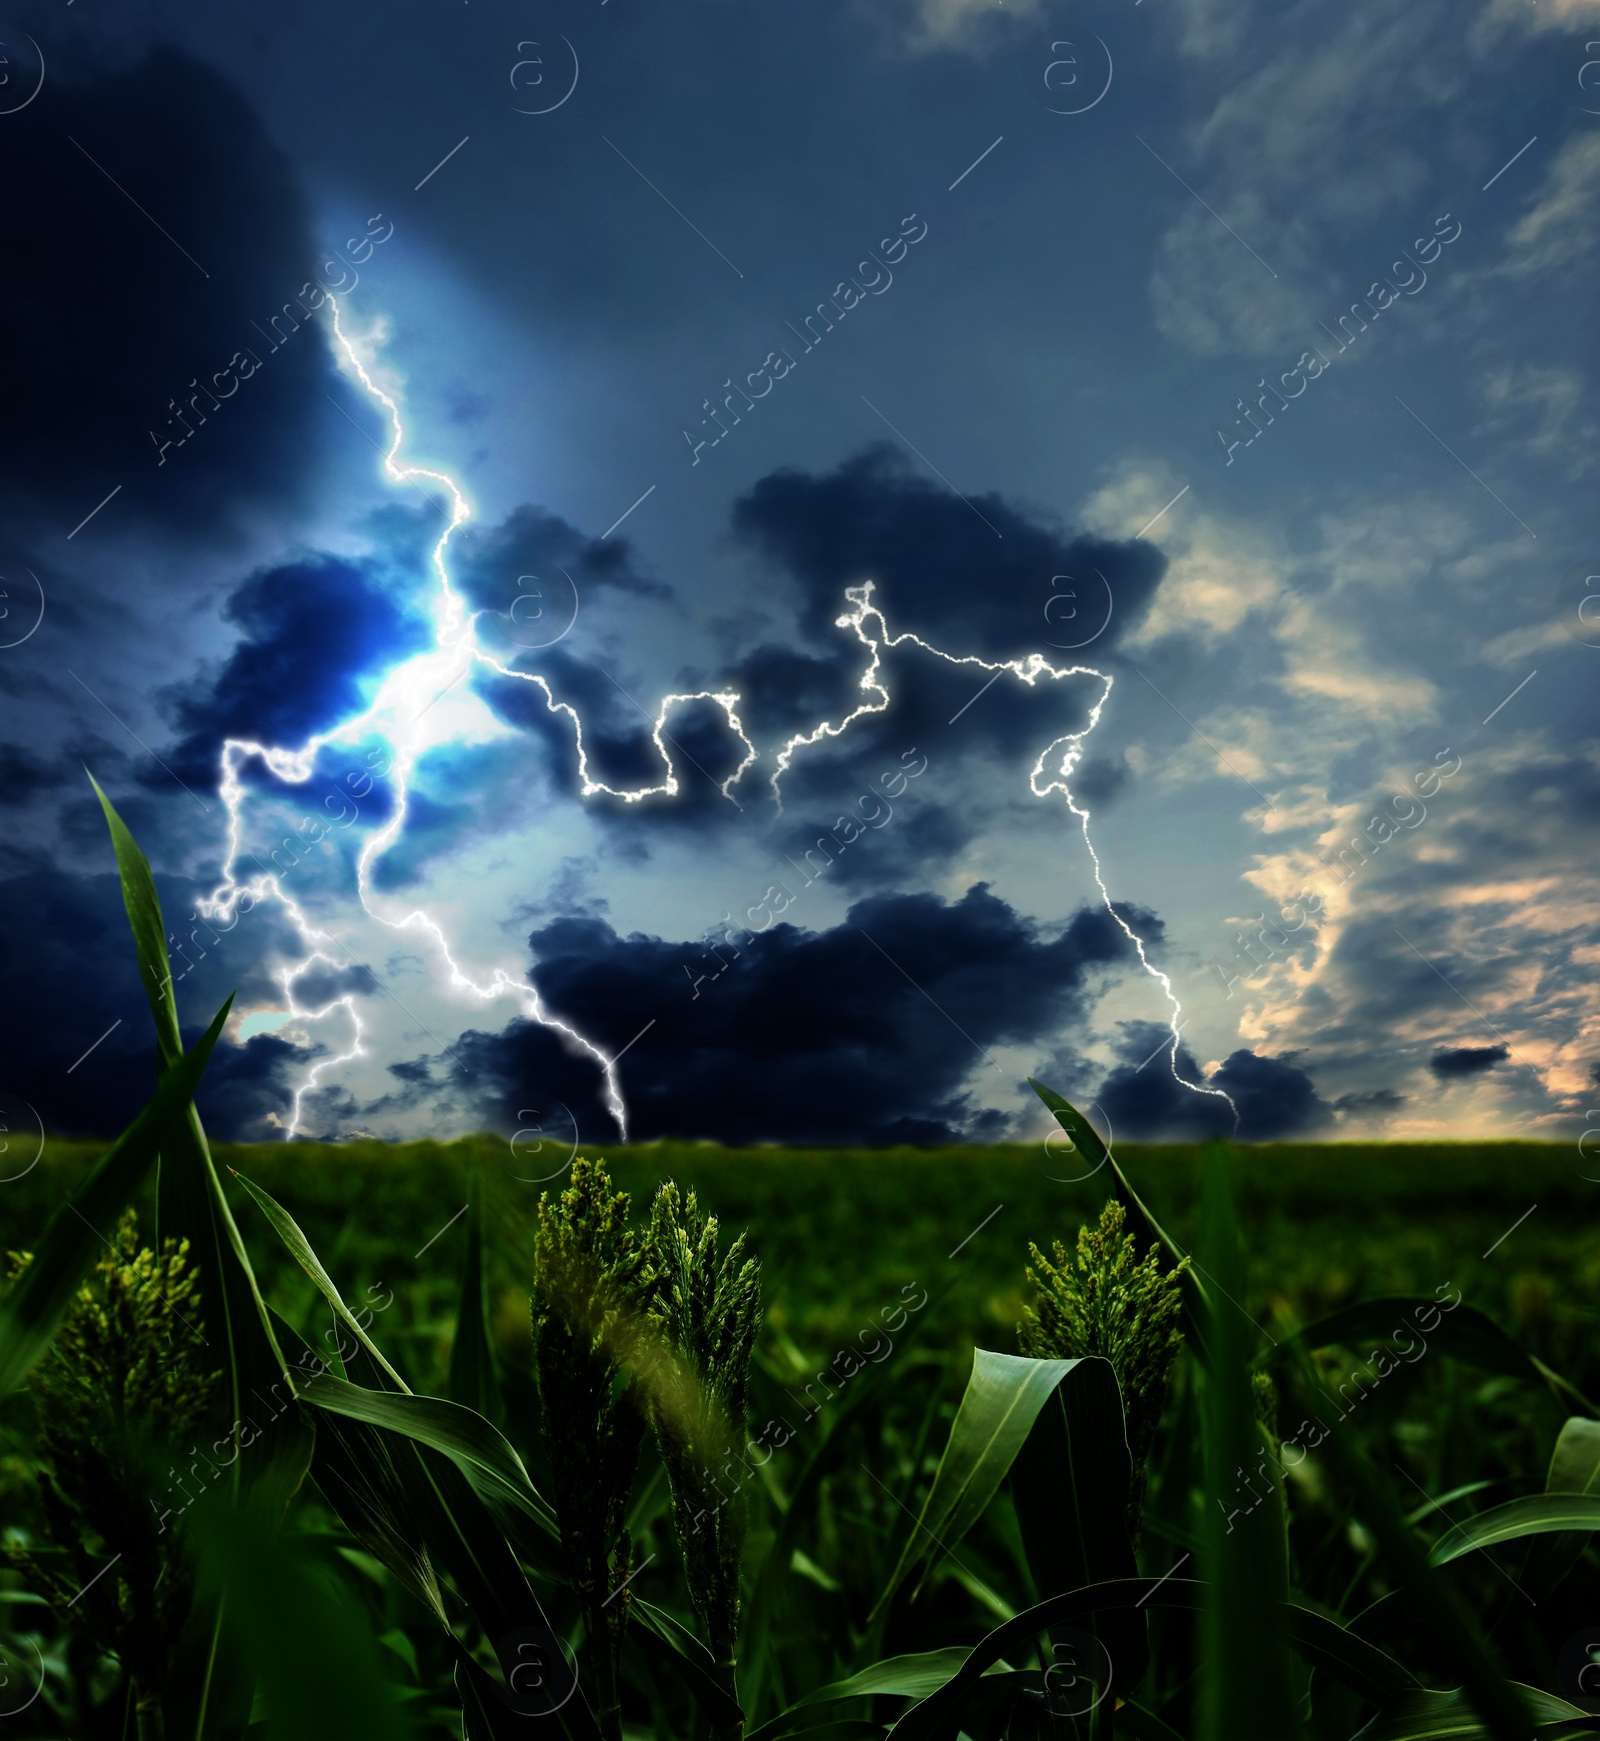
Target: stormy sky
766	573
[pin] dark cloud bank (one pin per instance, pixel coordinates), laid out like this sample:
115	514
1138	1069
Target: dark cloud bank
874	1031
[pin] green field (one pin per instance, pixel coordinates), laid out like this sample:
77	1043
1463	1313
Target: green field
843	1238
840	1231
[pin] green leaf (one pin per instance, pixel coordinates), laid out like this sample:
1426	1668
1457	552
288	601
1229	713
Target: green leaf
430	1488
149	930
1141	1223
1368	1671
474	1445
288	1231
907	1676
1430	1716
77	1233
192	1206
1539	1514
774	1578
1574	1468
1246	1693
1003	1398
693	1661
1070	1484
1136	1722
211	1691
1461	1332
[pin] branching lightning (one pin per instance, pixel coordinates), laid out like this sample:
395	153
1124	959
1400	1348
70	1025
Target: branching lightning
405	699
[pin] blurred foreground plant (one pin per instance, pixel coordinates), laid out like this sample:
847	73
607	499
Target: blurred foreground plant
588	1324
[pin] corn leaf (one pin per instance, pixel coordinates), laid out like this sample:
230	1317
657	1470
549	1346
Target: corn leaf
1070	1484
1002	1401
1538	1514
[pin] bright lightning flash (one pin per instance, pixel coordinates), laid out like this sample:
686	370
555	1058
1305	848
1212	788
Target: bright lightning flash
401	715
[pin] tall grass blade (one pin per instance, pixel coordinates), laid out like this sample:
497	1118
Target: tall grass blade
299	1247
693	1662
472	1381
192	1206
473	1444
214	1691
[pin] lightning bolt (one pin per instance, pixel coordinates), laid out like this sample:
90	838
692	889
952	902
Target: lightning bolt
395	718
871	628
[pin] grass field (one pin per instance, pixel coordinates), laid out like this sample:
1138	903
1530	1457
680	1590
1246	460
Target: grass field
840	1231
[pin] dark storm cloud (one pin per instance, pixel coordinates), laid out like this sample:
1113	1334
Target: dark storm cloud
870	1032
1276	1099
782	691
1379	1103
312	629
939	570
1467	1060
868	518
493	566
131	331
68	963
23	774
320	985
